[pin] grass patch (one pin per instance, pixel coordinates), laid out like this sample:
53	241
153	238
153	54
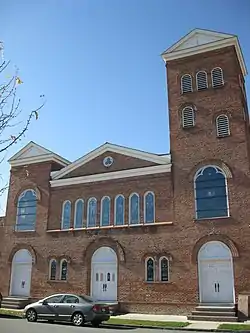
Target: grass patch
9	312
234	327
116	321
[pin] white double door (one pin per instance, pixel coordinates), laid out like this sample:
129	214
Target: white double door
216	281
104	282
21	279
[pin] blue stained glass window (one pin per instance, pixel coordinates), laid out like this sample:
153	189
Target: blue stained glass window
211	193
64	270
92	212
105	218
52	273
66	215
134	209
79	207
119	210
149	206
26	211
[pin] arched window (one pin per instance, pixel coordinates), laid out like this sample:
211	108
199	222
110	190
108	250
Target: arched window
92	212
211	193
79	210
164	269
134	209
217	77
186	83
222	126
201	80
52	269
150	269
26	211
63	270
119	209
66	215
188	117
105	211
149	207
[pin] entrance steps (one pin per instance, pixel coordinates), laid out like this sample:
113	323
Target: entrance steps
12	302
214	312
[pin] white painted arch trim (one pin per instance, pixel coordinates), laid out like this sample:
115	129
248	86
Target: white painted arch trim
88	203
139	207
115	204
146	270
145	205
161	258
60	272
102	200
75	211
63	212
112	175
108	147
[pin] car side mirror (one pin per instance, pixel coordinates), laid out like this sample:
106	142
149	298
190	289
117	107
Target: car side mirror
45	302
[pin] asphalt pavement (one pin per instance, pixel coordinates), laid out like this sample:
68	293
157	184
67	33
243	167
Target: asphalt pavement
22	326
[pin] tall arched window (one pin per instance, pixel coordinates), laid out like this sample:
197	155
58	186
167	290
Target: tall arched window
211	193
26	211
134	209
164	269
201	80
119	209
222	126
52	269
66	215
186	83
105	211
63	270
150	270
79	210
92	212
188	117
217	77
149	207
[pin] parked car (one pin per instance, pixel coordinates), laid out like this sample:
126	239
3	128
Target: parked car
68	307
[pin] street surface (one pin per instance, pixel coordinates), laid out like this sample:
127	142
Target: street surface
22	326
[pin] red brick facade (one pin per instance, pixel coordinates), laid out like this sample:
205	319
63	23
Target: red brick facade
176	233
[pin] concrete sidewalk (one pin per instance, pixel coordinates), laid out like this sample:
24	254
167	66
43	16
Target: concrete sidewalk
196	325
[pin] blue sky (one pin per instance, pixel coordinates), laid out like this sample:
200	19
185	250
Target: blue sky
98	63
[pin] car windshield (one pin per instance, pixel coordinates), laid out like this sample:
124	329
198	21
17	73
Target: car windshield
87	299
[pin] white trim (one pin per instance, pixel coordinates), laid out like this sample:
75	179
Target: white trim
146	271
226	185
197	83
75	210
169	54
17	208
139	208
183	77
62	221
222	77
115	222
108	147
161	258
46	155
103	198
112	175
225	118
60	273
50	263
185	114
89	200
145	206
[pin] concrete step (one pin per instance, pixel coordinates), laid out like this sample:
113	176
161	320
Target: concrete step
15	302
213	318
213	313
215	308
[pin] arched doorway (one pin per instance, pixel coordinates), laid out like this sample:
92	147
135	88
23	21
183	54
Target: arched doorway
216	277
21	270
104	274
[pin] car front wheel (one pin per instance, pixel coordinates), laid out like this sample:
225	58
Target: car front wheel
31	315
78	319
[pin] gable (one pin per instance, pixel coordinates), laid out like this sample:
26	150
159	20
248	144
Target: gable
34	153
120	162
123	158
199	41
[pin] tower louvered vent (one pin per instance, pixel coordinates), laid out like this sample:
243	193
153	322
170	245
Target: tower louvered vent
186	84
201	80
217	77
188	119
222	126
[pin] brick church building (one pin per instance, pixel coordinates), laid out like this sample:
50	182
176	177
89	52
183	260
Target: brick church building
150	232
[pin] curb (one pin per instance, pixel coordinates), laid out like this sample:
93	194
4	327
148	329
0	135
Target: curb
9	316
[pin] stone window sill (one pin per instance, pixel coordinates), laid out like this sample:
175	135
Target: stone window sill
111	227
213	219
157	282
57	281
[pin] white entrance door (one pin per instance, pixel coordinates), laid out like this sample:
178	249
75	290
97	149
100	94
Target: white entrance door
216	279
21	274
104	274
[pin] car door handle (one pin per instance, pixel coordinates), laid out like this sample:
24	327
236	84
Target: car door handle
55	306
72	306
